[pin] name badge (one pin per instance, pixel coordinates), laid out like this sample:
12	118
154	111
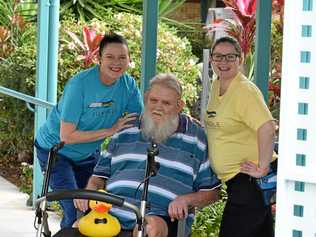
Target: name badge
101	104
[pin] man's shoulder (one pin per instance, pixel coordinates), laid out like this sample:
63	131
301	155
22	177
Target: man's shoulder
191	123
127	134
195	121
192	129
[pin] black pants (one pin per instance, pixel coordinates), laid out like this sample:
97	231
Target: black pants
245	214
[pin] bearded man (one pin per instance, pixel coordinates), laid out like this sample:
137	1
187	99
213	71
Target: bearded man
184	179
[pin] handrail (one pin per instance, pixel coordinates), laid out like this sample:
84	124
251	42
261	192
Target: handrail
26	98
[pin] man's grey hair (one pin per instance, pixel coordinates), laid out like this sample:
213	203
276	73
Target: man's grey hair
168	80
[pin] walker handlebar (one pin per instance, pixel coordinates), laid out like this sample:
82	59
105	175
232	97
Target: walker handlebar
91	195
85	194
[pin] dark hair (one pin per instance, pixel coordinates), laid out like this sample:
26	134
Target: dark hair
111	38
230	40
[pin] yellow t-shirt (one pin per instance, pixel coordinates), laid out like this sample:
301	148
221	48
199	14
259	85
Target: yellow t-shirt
231	123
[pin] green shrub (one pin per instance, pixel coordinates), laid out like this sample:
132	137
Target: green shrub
27	178
207	220
16	121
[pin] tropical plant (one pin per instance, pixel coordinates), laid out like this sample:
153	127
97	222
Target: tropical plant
276	68
13	24
5	46
27	178
89	9
207	220
28	9
84	10
10	9
17	70
166	6
245	11
88	49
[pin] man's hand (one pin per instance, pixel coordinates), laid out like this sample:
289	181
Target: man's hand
179	208
81	204
253	170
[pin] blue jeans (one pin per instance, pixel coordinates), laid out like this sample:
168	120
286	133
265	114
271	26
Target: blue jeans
67	174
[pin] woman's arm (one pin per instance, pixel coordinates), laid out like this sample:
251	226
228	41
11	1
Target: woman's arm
265	137
69	133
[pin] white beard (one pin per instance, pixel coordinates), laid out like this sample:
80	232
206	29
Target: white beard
158	132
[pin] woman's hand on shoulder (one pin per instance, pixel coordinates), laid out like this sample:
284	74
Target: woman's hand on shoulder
124	122
253	169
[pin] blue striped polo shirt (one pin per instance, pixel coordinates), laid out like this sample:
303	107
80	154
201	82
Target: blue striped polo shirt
184	168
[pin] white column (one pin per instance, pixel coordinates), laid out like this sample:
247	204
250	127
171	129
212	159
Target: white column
296	193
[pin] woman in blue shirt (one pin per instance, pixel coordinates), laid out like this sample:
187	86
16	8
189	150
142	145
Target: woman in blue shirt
91	108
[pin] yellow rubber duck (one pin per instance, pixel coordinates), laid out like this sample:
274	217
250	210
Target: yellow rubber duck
98	222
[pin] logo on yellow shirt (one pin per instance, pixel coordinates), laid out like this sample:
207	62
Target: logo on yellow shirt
211	114
211	121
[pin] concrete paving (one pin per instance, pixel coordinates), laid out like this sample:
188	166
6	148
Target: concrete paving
16	219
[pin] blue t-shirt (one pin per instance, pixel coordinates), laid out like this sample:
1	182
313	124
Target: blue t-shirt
90	105
184	168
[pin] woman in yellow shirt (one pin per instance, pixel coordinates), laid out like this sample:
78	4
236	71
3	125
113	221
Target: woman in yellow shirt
240	132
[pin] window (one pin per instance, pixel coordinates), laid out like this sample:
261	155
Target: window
301	134
305	57
306	30
307	5
300	159
297	233
304	82
302	108
299	186
298	210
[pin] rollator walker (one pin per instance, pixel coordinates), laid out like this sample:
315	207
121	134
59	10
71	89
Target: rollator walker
41	216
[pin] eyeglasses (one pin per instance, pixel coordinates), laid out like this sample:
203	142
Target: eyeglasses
231	57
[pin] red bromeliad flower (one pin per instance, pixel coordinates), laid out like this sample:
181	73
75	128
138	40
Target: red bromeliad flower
245	11
242	8
243	27
274	88
89	47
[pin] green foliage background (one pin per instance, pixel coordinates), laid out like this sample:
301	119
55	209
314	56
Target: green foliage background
16	121
207	221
